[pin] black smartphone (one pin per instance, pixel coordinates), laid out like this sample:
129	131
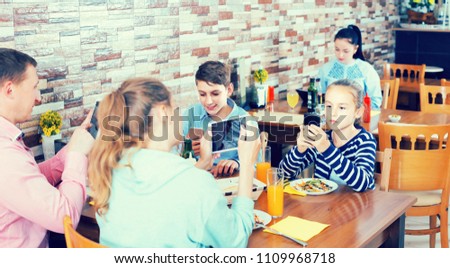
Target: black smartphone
225	134
94	123
311	119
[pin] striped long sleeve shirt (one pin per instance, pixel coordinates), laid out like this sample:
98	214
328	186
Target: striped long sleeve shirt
354	162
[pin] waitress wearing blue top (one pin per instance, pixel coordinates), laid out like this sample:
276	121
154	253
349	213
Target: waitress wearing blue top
350	64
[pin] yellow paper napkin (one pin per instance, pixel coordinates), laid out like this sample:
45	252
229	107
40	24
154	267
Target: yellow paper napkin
299	228
288	189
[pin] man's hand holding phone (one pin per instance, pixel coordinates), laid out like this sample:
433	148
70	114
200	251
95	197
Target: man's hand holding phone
81	141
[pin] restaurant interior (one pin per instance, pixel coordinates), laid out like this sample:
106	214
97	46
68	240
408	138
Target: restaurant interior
85	49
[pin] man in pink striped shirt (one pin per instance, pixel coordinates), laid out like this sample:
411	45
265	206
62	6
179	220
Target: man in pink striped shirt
34	197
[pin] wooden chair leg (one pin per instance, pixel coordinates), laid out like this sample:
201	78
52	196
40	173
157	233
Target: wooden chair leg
433	220
444	230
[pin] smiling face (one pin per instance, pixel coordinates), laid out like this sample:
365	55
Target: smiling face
341	107
344	50
214	97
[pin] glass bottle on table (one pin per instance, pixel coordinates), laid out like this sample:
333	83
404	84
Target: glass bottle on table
187	152
312	96
320	95
292	99
320	108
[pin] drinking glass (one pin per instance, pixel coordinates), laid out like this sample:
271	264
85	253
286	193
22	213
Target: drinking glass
263	165
275	195
292	99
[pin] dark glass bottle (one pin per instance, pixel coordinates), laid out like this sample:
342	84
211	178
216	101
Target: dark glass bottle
234	79
312	96
187	149
320	95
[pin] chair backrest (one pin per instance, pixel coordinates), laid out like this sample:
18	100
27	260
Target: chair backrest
410	75
444	82
390	92
434	99
382	177
420	156
75	239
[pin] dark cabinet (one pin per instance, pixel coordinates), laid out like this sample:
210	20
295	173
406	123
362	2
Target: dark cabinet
430	47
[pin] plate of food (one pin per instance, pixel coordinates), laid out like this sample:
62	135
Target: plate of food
314	186
261	217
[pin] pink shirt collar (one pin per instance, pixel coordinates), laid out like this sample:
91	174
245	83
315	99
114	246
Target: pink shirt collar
9	129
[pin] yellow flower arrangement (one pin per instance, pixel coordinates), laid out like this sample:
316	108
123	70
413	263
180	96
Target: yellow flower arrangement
50	123
261	75
422	6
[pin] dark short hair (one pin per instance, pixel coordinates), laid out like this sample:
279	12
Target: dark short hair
213	72
13	64
353	34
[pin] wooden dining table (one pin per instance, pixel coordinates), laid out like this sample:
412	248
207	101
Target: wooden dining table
369	219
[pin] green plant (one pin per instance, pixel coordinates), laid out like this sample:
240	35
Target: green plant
260	75
50	123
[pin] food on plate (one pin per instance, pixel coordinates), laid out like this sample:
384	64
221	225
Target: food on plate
257	219
313	185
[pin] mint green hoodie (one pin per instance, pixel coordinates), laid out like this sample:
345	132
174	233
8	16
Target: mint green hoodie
164	201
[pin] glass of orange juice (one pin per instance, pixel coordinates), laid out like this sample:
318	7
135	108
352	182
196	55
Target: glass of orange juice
275	197
263	165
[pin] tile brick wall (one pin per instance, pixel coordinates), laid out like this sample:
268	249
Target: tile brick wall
86	48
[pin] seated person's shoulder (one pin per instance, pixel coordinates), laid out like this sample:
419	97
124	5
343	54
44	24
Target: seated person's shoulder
365	136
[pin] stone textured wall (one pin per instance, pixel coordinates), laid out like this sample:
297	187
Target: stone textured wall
86	48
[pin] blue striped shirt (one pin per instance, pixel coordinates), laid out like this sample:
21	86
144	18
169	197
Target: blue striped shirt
353	162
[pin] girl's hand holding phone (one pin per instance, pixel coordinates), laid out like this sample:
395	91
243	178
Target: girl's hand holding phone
312	136
317	138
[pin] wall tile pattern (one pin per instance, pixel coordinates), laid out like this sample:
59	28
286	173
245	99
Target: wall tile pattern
86	48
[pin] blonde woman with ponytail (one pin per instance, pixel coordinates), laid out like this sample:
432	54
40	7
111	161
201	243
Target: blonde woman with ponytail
146	196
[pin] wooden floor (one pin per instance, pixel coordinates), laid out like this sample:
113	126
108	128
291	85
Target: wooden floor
416	241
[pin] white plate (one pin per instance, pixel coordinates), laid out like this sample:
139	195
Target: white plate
331	184
263	216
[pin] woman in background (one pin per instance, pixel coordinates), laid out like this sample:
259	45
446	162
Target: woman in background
146	196
350	64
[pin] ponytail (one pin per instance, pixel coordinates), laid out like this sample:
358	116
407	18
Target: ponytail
353	34
124	123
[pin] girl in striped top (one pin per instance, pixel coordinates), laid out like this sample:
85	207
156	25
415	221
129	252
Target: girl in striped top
346	153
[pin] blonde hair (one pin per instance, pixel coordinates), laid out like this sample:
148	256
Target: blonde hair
355	89
132	102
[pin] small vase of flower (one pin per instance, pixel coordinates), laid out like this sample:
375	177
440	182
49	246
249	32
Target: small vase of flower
420	11
50	123
260	76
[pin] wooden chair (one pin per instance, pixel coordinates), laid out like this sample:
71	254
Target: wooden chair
390	93
434	99
382	177
422	171
445	83
75	239
411	76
